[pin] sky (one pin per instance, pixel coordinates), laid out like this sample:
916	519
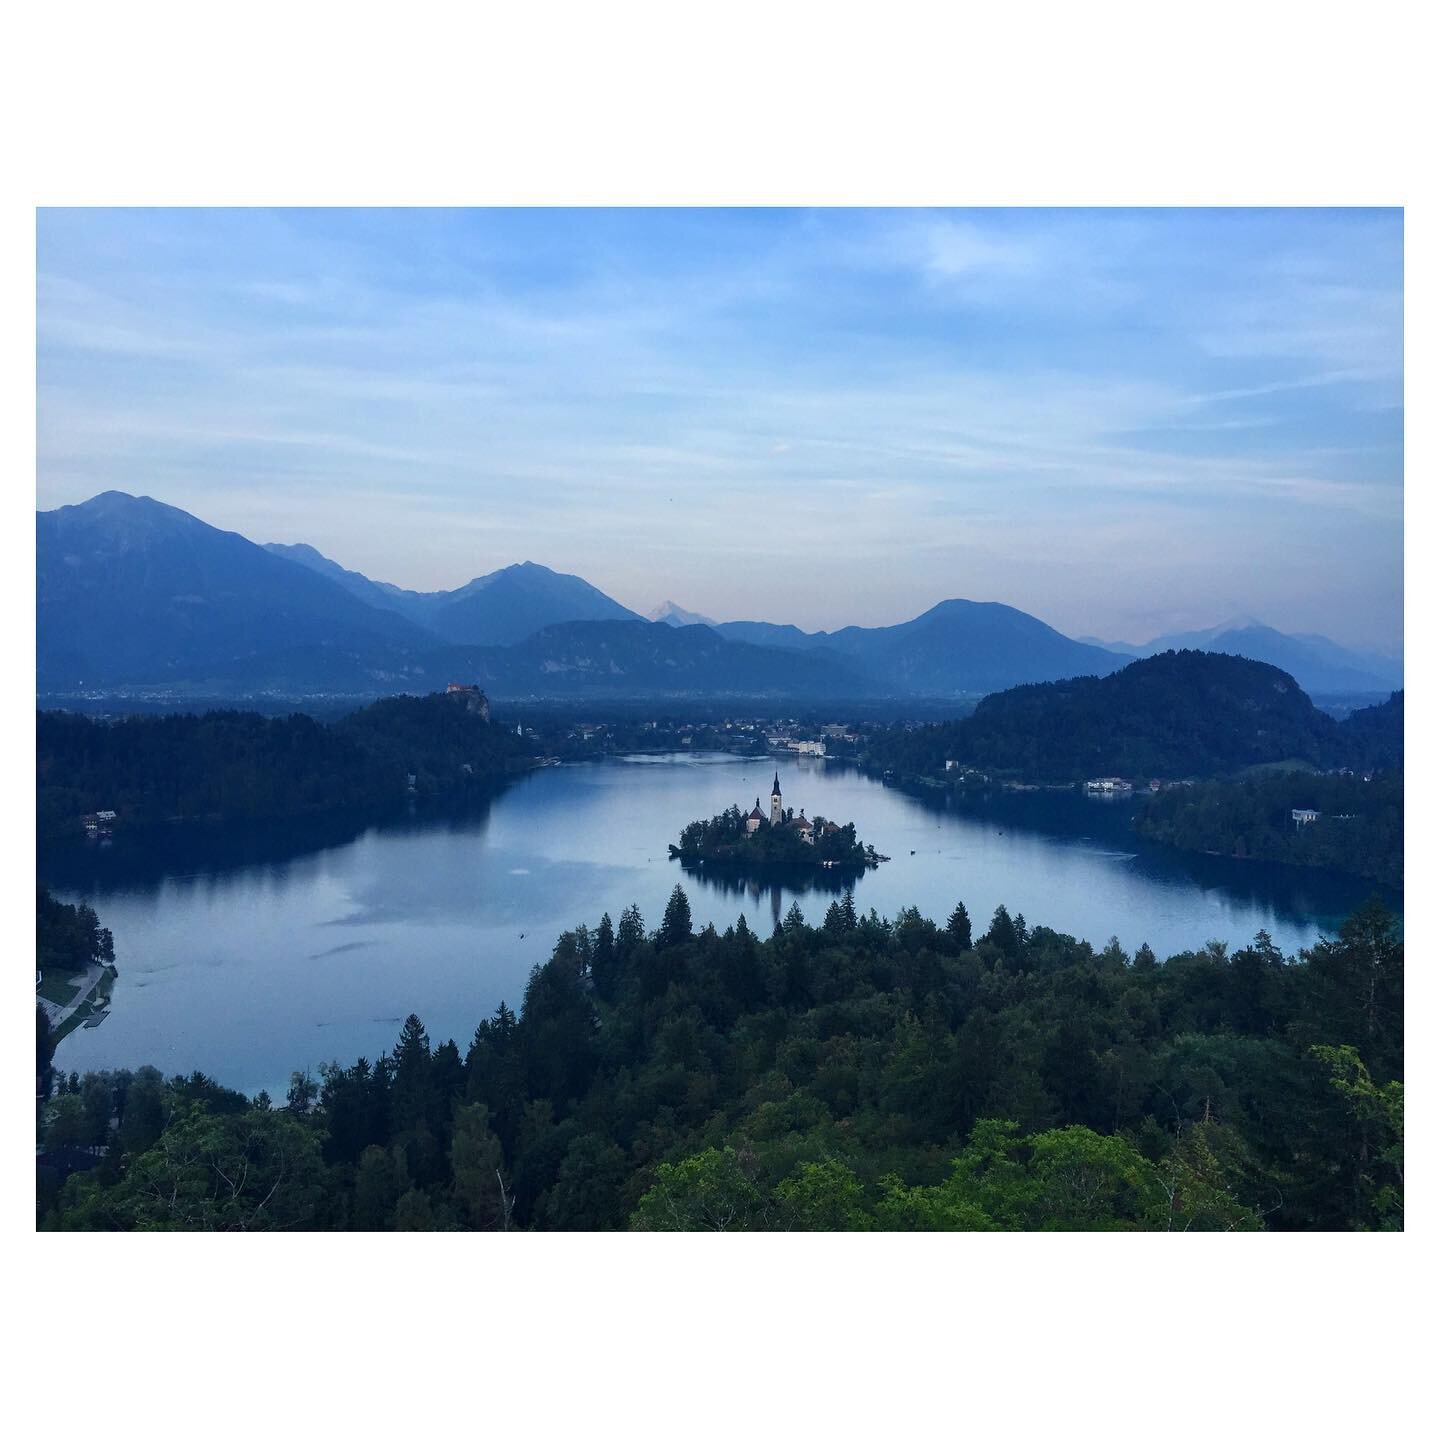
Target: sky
1123	422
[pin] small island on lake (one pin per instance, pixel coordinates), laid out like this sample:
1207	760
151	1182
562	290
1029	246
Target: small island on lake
757	841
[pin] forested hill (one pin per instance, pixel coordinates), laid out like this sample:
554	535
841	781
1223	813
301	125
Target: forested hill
1184	713
239	765
856	1074
1376	735
1360	829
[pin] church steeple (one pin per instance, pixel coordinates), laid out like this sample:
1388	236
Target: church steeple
775	789
776	812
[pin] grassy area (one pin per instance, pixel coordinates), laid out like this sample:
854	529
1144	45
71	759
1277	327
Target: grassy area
97	1000
1275	767
58	986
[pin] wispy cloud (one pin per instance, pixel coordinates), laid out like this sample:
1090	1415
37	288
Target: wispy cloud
827	416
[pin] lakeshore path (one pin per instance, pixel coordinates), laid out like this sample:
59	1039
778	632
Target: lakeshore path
58	1015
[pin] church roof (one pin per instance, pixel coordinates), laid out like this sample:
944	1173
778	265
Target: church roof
775	789
802	824
756	813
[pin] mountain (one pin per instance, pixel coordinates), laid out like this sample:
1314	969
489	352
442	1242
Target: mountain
603	658
377	593
956	647
618	657
495	609
671	614
1320	665
1178	715
129	589
761	632
131	592
510	604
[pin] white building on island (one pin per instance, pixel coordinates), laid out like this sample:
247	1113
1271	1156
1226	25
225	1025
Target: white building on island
804	828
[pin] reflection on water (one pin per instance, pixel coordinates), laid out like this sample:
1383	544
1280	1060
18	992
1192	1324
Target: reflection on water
781	885
251	951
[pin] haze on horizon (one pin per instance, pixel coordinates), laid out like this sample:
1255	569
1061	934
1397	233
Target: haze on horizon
1123	422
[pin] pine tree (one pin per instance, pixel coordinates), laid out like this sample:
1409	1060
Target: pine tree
958	926
1002	933
675	928
414	1098
630	933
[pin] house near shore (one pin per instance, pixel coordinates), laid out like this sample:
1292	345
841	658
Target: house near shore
1304	817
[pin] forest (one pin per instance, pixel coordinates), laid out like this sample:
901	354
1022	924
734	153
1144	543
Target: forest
1361	829
1179	715
241	765
69	937
856	1073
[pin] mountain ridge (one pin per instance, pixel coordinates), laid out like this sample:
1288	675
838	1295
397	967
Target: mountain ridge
132	592
1320	664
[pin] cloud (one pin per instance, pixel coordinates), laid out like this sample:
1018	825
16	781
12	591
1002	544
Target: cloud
764	401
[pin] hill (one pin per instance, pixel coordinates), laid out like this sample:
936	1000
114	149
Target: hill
1360	827
1375	736
1182	714
238	765
627	657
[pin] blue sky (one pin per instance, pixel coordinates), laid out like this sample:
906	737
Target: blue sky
1125	422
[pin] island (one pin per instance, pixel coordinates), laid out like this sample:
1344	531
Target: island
759	842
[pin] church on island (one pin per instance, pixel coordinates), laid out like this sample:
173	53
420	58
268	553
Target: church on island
798	823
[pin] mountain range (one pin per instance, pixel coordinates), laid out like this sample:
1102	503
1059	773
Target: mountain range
1319	665
135	595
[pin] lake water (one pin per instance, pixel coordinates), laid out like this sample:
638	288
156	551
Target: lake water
251	953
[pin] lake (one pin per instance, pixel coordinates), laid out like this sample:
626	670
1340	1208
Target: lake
249	953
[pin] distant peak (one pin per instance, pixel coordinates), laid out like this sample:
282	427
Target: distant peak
120	505
669	613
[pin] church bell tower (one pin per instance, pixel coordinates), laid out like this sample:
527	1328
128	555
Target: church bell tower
775	810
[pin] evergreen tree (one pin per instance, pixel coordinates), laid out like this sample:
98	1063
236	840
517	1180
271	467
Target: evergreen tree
958	926
1355	990
630	934
602	958
1003	934
414	1100
413	1211
675	928
477	1161
375	1191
